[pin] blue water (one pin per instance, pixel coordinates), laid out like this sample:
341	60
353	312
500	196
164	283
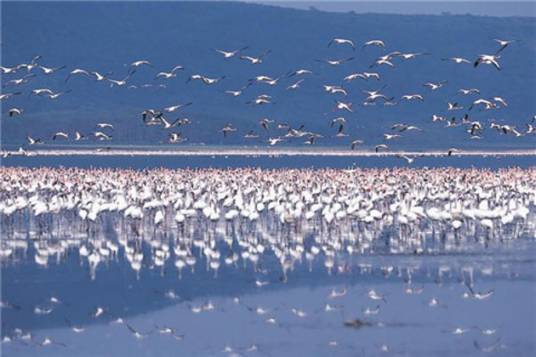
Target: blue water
141	162
405	323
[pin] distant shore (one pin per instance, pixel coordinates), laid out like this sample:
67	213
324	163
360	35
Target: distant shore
256	151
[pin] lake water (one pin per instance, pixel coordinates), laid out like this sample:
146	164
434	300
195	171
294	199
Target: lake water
266	161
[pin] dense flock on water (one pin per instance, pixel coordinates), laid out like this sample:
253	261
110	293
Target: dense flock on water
228	215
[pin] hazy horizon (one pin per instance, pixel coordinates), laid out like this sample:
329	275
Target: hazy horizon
477	8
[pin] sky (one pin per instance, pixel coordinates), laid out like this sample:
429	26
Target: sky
481	7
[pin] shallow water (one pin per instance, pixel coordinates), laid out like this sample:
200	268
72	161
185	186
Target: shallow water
267	162
406	323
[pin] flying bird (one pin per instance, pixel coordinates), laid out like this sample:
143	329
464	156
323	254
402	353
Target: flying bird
341	41
299	72
503	44
295	85
15	112
227	129
76	72
102	136
458	60
377	43
173	108
488	59
229	54
60	134
335	62
255	60
355	143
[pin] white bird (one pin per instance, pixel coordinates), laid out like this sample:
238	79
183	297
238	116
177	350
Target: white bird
173	108
136	333
391	136
175	138
336	294
205	80
353	76
457	60
374	295
78	136
15	111
274	141
98	312
255	60
408	159
488	59
251	135
76	329
60	134
227	129
503	44
374	75
58	94
458	331
139	63
299	313
369	311
17	82
102	136
408	56
8	70
434	86
229	54
99	77
5	96
334	89
295	85
378	43
299	72
487	104
469	91
413	97
336	62
342	41
48	341
343	106
380	146
264	122
77	71
118	82
33	141
454	106
500	100
50	70
168	75
355	143
105	125
259	101
40	91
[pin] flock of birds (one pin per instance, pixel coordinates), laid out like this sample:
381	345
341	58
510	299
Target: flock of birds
215	217
420	211
270	130
183	219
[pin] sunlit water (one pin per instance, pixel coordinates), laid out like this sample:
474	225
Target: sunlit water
263	306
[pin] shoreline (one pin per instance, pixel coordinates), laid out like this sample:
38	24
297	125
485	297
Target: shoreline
256	152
